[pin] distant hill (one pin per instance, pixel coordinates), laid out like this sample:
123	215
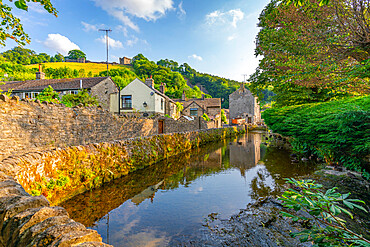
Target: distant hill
94	68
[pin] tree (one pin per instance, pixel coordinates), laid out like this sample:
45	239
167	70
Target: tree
312	53
59	57
11	26
75	54
48	95
83	98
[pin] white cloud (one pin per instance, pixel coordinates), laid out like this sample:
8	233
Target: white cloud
149	10
122	29
36	7
89	27
111	42
196	57
181	13
231	17
232	37
132	41
60	43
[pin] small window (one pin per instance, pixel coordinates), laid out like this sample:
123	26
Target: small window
28	95
161	104
74	92
194	112
34	95
127	101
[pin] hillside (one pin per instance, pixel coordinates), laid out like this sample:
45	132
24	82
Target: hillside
94	68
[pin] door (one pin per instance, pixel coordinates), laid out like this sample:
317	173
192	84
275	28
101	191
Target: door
160	126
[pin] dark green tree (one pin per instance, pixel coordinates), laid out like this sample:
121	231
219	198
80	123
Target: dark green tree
75	54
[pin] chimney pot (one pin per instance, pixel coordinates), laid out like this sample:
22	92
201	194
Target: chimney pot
150	82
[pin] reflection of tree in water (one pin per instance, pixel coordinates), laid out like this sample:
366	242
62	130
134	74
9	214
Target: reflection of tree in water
260	186
278	166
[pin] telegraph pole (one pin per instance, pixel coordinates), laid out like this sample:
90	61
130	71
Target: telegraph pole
106	36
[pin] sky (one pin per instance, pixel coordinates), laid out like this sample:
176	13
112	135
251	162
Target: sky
212	36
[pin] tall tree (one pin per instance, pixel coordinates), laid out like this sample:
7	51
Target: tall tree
75	54
311	52
11	26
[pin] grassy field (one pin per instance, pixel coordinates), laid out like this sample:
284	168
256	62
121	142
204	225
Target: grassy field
95	68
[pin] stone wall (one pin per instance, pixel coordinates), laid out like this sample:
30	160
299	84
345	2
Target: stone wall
29	126
30	221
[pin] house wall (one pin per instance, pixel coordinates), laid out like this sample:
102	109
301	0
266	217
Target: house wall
243	104
140	93
186	111
103	91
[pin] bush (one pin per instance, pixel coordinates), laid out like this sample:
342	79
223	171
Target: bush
48	95
336	131
83	97
205	117
325	228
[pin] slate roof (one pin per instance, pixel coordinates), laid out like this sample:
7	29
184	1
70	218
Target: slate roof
158	92
56	84
204	103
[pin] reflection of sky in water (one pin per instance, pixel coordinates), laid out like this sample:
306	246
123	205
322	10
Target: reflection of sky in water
232	179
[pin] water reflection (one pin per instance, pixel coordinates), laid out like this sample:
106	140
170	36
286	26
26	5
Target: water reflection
158	204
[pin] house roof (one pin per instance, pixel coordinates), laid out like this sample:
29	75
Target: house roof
204	103
56	84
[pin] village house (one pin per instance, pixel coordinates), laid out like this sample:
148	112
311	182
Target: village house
125	60
142	97
243	107
198	107
99	87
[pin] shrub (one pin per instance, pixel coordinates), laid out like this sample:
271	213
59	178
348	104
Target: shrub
336	131
83	97
326	228
205	117
48	95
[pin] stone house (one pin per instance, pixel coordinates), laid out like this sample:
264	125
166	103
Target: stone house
125	60
197	107
143	98
99	87
243	107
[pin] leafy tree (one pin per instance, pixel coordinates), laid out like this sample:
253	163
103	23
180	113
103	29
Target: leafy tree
122	76
205	117
11	26
75	54
59	57
312	53
83	98
48	95
223	117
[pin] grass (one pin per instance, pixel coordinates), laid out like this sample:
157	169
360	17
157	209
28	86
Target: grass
95	68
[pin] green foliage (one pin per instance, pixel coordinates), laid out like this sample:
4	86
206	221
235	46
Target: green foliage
24	56
11	26
63	72
205	117
326	227
48	95
122	76
311	53
75	54
83	98
223	117
336	131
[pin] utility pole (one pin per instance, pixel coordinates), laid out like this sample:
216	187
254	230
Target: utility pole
245	75
106	36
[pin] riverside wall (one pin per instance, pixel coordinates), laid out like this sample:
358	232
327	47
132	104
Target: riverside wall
52	171
29	126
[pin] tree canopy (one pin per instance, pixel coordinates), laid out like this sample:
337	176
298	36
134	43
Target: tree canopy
76	54
314	52
11	26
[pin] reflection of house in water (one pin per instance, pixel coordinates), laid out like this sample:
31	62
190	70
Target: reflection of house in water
146	194
246	153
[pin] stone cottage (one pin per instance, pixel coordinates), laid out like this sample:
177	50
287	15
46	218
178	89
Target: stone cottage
142	97
243	106
99	87
197	107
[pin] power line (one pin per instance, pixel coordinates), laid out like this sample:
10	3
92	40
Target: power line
106	36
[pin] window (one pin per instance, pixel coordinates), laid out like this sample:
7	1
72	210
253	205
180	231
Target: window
34	95
194	112
127	101
161	104
74	92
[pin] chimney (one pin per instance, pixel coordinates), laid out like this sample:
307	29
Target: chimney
150	82
202	96
80	84
183	97
40	75
242	87
162	87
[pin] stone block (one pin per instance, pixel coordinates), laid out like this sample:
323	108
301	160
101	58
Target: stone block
4	98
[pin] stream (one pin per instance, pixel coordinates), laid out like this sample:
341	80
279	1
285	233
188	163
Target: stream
168	202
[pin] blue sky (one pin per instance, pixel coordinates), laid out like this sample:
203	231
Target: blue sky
212	36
